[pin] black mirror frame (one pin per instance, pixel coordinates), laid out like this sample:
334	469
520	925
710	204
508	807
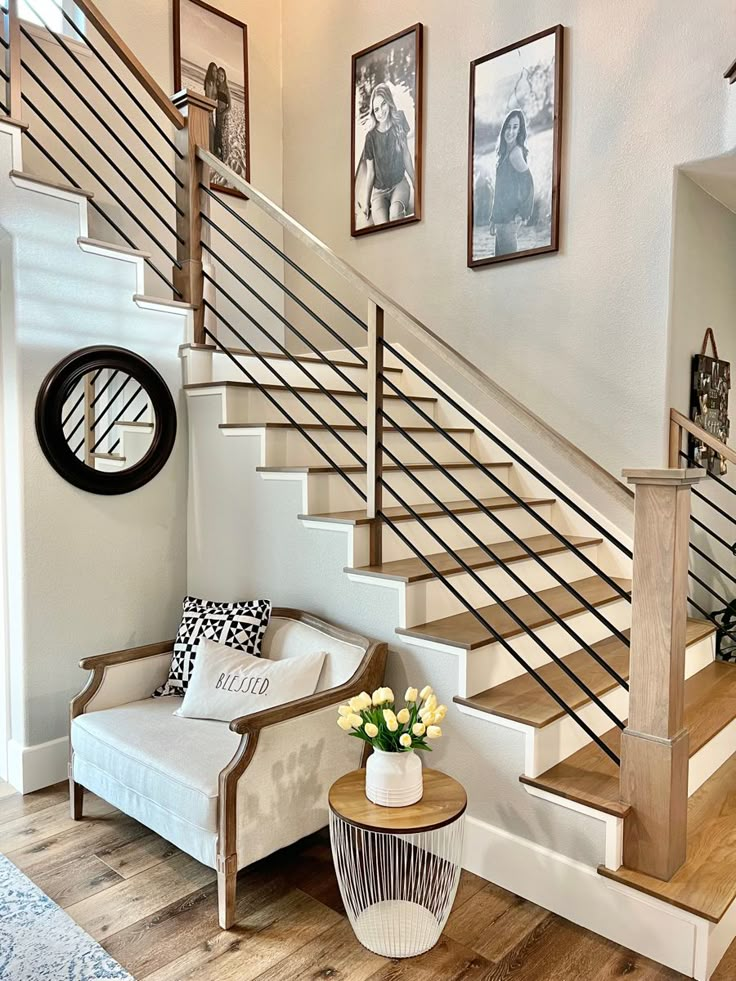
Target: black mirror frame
55	390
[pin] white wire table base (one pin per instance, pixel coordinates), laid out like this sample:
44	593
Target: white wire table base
398	889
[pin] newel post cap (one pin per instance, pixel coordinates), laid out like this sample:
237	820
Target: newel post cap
189	97
673	477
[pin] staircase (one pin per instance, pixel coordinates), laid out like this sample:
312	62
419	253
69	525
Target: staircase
353	481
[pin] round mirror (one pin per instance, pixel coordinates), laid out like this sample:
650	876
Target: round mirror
106	420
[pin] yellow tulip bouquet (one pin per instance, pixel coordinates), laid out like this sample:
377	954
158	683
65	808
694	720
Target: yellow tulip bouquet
374	719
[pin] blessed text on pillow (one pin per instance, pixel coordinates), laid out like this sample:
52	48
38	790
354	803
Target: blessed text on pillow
226	683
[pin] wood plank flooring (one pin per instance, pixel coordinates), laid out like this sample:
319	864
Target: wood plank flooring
155	910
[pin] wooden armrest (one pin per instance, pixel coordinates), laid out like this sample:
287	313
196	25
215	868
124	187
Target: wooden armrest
120	657
369	673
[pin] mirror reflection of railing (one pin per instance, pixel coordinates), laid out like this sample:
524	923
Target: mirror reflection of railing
107	420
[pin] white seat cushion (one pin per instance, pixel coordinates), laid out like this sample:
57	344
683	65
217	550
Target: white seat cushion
159	768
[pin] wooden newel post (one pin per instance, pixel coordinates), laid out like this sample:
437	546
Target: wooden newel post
374	452
197	111
654	745
12	58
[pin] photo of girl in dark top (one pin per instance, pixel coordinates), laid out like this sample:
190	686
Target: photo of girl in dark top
514	150
513	196
387	133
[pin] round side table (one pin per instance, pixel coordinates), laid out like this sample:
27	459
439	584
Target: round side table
398	868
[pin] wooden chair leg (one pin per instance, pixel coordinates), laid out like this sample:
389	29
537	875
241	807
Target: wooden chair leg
76	799
227	875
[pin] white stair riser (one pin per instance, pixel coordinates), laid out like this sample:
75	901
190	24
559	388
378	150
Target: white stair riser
254	406
489	666
330	492
394	548
134	444
288	447
451	534
562	738
223	369
432	600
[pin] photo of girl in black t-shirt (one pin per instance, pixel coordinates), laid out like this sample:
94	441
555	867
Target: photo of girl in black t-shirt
389	169
386	139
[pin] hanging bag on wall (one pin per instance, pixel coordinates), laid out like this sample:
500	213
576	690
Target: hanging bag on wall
709	405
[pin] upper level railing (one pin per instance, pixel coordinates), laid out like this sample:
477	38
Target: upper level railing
712	570
232	267
100	121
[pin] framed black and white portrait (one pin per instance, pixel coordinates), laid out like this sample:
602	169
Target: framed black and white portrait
514	150
211	57
386	151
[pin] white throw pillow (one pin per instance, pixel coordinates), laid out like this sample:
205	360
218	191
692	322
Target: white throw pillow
226	683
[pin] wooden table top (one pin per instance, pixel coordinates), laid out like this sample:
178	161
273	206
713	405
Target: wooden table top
443	801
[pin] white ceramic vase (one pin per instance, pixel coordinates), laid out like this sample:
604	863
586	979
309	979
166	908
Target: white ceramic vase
393	779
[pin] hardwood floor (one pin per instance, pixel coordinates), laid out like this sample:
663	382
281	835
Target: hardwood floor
154	909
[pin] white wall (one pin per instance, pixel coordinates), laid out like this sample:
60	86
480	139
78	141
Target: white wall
580	336
703	285
86	573
704	295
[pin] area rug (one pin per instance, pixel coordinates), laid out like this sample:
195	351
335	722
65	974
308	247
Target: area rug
39	942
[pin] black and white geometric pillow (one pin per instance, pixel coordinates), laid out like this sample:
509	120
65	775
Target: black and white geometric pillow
239	625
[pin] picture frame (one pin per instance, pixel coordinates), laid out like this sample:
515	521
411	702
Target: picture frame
207	38
514	150
387	80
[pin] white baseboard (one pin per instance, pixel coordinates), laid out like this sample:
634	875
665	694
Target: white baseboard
34	767
666	934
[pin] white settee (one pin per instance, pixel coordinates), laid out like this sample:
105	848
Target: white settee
226	794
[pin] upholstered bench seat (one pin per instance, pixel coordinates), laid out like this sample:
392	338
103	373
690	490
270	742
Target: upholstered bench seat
157	767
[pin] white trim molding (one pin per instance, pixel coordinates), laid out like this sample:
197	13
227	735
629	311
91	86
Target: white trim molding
671	936
34	767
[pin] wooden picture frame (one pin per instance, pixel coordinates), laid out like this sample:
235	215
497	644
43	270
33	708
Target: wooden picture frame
520	190
389	74
193	60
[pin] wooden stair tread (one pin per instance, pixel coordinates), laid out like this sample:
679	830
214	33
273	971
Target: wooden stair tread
159	301
522	699
398	513
278	356
386	468
414	570
135	425
590	777
706	883
340	427
96	243
11	121
309	389
463	630
109	456
45	182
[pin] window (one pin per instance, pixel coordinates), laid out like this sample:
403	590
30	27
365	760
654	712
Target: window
48	13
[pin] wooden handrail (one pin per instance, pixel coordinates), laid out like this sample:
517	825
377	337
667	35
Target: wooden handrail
678	423
95	16
433	342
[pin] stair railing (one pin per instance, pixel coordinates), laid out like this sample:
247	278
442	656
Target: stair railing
121	145
711	551
381	397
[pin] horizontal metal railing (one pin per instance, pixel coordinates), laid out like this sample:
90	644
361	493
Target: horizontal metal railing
236	301
93	127
702	535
